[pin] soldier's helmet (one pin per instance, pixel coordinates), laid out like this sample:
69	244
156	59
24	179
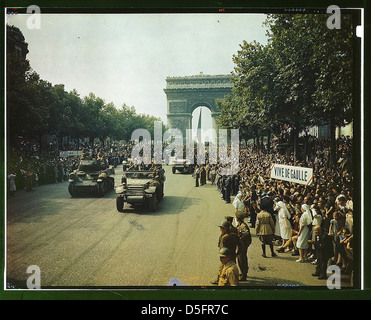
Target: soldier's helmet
225	252
224	224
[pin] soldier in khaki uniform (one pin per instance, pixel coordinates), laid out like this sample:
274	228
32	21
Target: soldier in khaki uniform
265	227
229	270
244	234
227	240
232	228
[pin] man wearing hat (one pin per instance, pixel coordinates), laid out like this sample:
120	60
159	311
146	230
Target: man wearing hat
227	240
265	227
244	235
232	228
229	271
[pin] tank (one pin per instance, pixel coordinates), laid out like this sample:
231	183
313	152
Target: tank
91	177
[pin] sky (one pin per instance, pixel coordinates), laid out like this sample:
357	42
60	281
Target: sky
126	58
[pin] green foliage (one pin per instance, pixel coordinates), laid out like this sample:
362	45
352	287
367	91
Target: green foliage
302	77
35	107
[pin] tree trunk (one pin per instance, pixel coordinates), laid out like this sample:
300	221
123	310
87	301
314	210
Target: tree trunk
332	141
269	141
295	142
305	146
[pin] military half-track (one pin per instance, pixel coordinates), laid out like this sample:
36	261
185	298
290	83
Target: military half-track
140	188
91	177
182	165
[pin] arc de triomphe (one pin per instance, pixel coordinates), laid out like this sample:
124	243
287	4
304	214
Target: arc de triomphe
185	94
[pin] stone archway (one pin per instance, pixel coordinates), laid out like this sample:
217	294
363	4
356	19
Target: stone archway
185	94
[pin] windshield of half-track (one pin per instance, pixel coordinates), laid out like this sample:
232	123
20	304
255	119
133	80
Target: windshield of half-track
140	174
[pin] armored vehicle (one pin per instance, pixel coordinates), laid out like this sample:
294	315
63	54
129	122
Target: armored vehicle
140	187
182	165
91	177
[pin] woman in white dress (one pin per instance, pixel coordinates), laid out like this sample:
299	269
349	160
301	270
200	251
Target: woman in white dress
304	233
238	204
283	221
277	230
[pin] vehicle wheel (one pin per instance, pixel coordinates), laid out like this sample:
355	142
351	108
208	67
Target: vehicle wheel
152	203
120	204
174	170
160	195
112	184
71	190
102	188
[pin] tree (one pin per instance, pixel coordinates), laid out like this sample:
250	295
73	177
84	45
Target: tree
301	78
315	68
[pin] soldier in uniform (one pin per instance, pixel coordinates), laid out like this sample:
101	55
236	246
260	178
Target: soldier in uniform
197	175
227	240
228	183
203	175
232	228
229	271
265	226
244	234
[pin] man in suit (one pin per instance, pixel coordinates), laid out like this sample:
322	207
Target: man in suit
228	183
197	175
324	250
244	234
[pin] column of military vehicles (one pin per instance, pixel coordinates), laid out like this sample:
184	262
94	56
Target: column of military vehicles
140	185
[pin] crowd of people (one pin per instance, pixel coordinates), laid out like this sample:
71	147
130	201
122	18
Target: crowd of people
30	165
314	223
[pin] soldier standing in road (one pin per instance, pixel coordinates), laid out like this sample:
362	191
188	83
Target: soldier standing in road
203	175
229	270
228	183
228	240
197	175
232	228
265	227
244	234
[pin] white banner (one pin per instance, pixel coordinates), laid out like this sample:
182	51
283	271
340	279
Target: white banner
293	174
70	153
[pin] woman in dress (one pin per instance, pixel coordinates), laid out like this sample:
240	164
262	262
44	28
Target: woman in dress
304	233
284	223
